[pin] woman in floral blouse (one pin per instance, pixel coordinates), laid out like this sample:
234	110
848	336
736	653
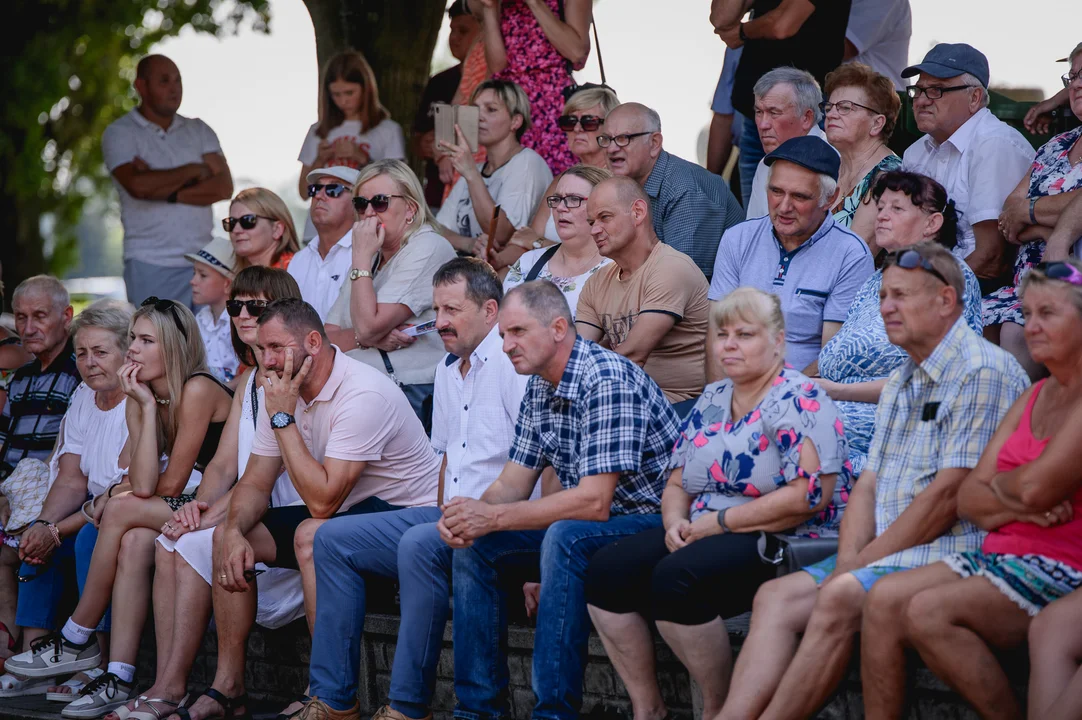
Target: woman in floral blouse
1029	214
762	451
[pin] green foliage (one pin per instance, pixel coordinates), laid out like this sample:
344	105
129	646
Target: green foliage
69	65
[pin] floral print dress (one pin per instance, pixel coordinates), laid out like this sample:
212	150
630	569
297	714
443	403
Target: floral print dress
543	73
1051	174
847	207
861	352
728	462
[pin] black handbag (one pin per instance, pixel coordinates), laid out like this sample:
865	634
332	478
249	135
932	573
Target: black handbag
790	554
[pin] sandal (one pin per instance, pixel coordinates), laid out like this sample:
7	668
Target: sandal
143	709
124	711
229	707
76	682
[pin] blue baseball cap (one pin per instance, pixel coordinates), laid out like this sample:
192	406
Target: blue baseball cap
809	152
947	60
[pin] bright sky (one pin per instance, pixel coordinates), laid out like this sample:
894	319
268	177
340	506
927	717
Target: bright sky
258	92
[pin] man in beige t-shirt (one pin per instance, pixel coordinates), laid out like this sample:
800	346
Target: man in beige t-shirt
650	304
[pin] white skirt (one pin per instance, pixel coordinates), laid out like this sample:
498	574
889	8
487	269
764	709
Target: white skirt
281	598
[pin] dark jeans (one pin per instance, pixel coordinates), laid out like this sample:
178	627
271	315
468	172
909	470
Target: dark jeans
563	625
716	576
751	152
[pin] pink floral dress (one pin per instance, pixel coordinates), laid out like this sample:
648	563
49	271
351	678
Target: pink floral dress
543	73
1052	174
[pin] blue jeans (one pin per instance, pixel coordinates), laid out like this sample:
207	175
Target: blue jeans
751	152
403	544
40	598
563	625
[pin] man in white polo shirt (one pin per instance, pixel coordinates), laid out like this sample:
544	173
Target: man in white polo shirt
168	170
322	265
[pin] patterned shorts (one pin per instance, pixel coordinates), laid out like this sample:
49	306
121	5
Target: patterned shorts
176	503
866	576
1030	581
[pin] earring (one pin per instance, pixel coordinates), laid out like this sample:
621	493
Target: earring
409	220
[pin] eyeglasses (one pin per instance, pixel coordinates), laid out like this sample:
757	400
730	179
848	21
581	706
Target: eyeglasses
933	93
247	222
589	123
1062	271
379	203
570	201
1069	78
255	307
844	107
911	260
332	190
620	140
169	306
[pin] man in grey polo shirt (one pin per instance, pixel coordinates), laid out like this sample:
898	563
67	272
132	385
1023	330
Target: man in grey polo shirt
168	170
797	251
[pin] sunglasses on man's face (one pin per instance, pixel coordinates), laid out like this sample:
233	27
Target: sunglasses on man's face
247	222
588	123
379	203
332	190
255	307
169	306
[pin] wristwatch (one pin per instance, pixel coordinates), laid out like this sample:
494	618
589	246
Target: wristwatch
354	274
282	420
537	245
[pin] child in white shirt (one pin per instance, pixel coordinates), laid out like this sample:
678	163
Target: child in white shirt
211	278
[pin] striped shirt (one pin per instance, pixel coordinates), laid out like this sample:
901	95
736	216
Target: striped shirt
933	416
36	403
605	416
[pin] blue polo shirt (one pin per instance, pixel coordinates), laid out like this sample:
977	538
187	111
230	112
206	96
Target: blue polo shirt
816	282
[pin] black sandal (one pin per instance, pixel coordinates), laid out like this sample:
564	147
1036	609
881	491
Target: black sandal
229	706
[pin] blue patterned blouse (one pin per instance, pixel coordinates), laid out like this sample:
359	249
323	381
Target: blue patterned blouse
861	352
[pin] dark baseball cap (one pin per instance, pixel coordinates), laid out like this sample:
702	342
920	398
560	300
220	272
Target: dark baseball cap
947	60
807	151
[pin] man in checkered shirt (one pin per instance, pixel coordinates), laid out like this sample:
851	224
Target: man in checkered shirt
607	431
935	415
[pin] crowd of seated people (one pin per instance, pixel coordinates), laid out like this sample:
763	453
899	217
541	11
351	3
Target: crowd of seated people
589	365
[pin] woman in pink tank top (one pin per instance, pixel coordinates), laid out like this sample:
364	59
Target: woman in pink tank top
1026	491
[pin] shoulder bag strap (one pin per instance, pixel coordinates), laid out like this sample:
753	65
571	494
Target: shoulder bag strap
538	266
255	399
390	368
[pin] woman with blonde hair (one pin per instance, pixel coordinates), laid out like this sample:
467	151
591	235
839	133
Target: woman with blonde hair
571	262
175	412
763	450
353	128
261	229
397	248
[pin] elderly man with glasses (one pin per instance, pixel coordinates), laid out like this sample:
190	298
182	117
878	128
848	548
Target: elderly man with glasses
936	413
978	158
691	208
321	266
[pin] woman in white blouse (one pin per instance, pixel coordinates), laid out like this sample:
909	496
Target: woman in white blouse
397	248
570	263
512	177
90	458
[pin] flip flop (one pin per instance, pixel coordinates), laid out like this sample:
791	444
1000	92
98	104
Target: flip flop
124	711
11	686
77	682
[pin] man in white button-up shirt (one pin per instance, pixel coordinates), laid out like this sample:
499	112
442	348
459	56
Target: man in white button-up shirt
322	265
978	158
477	399
168	171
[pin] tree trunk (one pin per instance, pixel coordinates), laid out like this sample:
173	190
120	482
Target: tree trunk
397	38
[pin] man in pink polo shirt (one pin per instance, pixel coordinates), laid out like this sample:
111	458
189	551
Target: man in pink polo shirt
351	444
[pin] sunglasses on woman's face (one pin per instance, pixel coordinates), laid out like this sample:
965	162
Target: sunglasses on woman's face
379	203
169	306
332	190
255	307
588	123
247	222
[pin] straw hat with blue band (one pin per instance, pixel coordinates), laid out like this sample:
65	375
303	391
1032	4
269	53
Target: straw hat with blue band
218	254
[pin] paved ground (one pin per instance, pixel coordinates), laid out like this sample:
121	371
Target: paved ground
38	708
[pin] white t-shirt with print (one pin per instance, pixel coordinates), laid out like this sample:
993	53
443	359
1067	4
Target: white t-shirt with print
516	187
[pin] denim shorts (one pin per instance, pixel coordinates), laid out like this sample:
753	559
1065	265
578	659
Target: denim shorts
866	576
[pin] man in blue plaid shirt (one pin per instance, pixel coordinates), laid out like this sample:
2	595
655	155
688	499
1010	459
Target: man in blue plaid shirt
607	431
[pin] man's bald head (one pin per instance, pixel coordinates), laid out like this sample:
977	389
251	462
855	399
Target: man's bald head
640	127
646	119
619	213
157	80
625	192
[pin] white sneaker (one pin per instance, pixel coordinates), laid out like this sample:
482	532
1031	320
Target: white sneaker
54	655
99	698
